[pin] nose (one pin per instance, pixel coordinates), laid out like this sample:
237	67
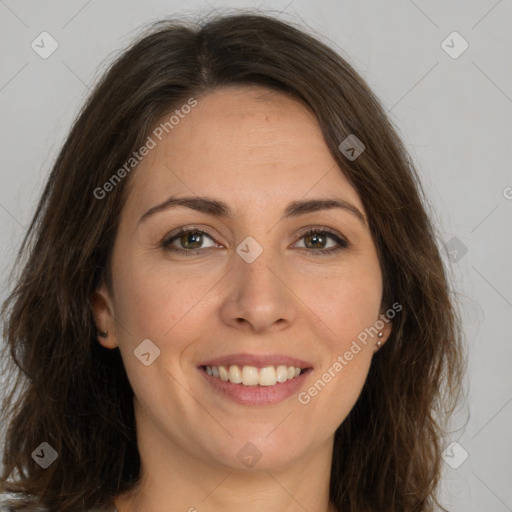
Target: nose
260	297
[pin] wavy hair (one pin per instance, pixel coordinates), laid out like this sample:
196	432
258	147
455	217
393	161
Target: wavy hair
67	390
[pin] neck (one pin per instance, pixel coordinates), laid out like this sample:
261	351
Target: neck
173	477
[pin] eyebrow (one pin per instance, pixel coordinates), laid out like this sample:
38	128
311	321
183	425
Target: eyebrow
218	208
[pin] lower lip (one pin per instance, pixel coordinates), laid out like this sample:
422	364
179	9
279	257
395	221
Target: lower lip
257	395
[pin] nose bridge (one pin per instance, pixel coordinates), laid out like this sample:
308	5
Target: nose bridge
258	295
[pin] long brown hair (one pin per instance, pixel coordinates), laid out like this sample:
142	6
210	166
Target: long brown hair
68	391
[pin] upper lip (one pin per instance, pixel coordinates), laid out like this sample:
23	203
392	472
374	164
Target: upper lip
258	361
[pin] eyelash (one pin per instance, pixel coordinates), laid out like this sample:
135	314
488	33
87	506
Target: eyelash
342	243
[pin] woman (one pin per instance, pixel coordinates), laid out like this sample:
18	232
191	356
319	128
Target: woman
231	294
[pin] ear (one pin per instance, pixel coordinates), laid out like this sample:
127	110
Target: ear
385	330
103	312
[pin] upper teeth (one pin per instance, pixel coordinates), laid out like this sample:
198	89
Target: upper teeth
250	376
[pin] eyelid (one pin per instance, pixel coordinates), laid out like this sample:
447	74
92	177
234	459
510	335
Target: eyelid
186	229
319	229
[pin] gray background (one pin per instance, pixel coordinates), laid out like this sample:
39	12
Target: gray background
454	114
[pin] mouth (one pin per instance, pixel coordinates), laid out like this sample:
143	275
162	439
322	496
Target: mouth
254	379
252	376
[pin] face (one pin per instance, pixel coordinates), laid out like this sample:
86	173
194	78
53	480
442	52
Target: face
252	272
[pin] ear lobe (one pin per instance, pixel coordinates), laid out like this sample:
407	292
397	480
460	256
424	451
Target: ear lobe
385	331
103	312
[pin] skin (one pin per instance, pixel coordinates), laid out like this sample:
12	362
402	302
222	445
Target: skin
257	151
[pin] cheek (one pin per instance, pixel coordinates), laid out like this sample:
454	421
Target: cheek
349	305
349	302
156	303
153	300
338	388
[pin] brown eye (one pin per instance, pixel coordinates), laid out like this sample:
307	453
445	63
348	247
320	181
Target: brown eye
315	240
322	241
188	241
191	240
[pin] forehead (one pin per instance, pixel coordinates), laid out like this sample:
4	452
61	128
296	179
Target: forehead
248	145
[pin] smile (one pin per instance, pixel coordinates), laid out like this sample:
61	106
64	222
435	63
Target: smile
253	376
255	379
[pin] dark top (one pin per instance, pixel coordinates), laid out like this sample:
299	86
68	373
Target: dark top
8	500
